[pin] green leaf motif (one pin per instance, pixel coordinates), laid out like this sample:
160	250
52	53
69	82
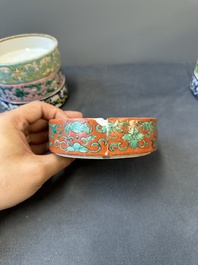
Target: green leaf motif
77	147
53	128
20	94
119	130
115	126
126	137
134	144
139	136
148	126
145	126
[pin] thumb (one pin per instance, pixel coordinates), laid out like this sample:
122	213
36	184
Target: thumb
52	164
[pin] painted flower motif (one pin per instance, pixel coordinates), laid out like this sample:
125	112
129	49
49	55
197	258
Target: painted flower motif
20	94
34	65
133	137
77	127
18	74
45	60
47	70
5	70
53	129
56	54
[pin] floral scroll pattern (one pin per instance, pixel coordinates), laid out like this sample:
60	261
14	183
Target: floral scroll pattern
117	136
57	99
34	70
31	91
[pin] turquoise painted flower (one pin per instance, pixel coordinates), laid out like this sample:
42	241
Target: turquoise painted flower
53	129
77	147
77	127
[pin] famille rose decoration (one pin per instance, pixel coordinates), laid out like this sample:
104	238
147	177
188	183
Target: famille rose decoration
57	99
30	69
28	57
100	138
36	90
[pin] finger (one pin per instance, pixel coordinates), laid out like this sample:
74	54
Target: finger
73	114
37	138
39	125
52	164
31	112
43	124
40	149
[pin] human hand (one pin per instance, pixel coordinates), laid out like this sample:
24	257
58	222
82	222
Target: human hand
24	165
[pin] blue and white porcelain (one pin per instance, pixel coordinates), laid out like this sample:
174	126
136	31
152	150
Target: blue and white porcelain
194	86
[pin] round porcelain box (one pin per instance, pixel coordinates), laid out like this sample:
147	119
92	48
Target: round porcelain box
100	138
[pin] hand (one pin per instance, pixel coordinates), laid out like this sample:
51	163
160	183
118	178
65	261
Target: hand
24	165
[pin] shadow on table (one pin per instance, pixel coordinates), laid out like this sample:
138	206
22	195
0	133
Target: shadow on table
131	175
